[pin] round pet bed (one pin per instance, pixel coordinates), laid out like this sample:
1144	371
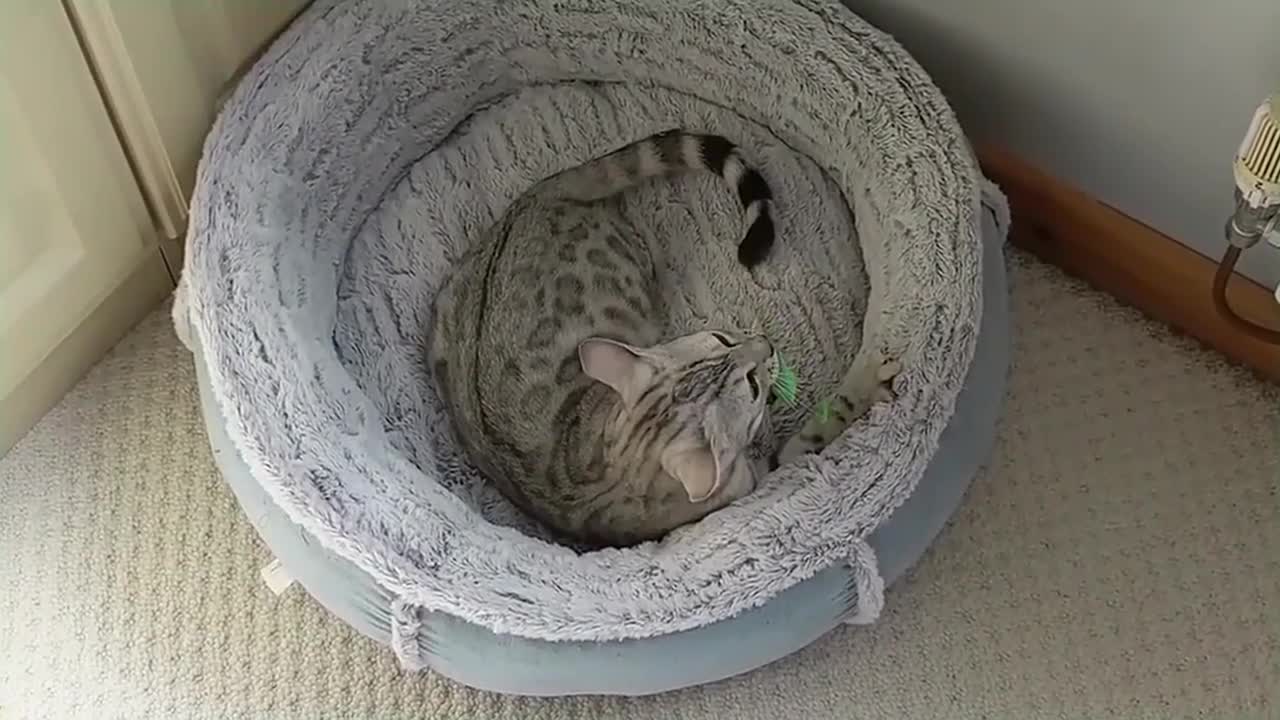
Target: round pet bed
376	138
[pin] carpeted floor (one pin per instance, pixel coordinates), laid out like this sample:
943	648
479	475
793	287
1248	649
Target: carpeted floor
1120	558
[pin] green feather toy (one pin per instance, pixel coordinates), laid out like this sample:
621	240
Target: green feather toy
824	412
785	384
786	390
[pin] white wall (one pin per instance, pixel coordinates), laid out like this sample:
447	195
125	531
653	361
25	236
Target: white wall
162	63
1141	103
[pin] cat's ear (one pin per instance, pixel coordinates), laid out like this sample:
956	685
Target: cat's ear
697	469
701	465
615	364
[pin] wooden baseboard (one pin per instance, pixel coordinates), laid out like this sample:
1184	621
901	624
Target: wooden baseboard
145	288
1130	260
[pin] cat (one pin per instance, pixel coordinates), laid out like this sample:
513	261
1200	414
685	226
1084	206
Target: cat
549	354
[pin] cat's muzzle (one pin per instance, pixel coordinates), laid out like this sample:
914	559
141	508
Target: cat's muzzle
757	349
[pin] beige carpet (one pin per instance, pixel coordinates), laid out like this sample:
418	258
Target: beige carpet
1120	558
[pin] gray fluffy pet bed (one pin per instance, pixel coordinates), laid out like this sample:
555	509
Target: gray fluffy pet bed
376	138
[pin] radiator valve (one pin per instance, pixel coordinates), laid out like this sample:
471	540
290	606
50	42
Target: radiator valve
1257	172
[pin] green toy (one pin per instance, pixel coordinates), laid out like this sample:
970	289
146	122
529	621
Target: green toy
786	390
824	412
785	384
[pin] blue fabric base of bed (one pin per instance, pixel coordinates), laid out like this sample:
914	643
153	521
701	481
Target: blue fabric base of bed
480	658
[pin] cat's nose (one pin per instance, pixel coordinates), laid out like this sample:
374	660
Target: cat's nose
758	348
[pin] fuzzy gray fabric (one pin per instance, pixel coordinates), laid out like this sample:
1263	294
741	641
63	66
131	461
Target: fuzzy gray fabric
377	137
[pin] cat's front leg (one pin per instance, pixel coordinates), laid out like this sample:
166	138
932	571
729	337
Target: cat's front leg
863	386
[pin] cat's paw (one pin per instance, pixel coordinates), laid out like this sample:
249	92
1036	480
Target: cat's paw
860	391
885	374
794	448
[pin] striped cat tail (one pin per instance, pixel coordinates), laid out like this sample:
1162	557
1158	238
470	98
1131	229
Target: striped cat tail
670	153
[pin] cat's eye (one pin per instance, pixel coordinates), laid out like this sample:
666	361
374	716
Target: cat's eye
722	339
754	384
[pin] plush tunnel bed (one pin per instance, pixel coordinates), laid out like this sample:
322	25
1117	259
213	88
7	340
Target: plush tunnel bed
356	161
